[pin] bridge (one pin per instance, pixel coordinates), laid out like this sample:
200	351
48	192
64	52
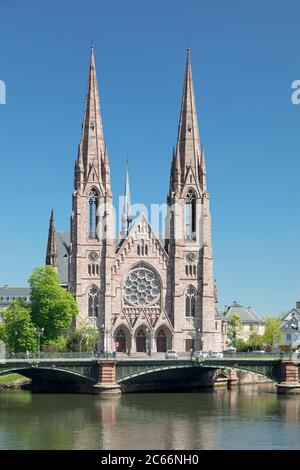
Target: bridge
109	374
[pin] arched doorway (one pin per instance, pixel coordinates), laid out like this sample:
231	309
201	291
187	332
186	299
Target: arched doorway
121	341
161	341
141	341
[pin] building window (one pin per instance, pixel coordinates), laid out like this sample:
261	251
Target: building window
190	215
142	287
94	301
93	200
190	302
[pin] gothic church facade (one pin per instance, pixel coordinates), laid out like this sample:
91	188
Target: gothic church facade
144	295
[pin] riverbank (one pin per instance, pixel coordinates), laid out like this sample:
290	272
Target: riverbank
13	381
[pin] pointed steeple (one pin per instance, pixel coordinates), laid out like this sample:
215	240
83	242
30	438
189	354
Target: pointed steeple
51	255
126	213
188	141
92	145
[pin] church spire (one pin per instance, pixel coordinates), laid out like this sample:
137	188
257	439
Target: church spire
51	255
92	145
126	213
188	141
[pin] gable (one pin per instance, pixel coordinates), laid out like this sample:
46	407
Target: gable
141	244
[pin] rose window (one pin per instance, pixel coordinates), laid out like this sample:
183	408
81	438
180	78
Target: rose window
142	287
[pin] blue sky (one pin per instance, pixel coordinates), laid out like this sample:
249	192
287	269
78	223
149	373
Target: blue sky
245	56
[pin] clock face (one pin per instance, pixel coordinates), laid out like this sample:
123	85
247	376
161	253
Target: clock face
93	256
190	256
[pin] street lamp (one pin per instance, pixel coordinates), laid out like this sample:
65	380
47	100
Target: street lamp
96	337
39	333
200	339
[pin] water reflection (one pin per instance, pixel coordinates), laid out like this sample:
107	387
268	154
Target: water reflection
252	417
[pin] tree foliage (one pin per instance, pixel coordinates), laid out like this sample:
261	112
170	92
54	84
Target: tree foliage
272	334
52	308
84	339
19	331
234	323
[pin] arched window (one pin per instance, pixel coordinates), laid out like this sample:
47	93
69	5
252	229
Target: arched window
190	302
190	215
93	200
94	301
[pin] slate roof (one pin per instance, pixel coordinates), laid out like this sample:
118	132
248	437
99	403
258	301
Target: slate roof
247	314
62	244
13	293
290	321
8	294
218	314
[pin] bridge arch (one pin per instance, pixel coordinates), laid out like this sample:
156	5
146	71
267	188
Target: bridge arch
53	374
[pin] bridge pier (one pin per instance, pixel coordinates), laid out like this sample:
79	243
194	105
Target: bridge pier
107	384
289	378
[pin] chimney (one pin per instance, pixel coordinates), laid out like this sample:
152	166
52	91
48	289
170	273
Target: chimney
298	305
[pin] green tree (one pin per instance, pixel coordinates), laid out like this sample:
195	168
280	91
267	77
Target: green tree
52	308
241	345
255	341
272	334
2	332
19	331
83	339
234	323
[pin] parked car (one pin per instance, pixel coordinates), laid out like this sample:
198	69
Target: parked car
171	354
200	354
230	351
216	354
258	352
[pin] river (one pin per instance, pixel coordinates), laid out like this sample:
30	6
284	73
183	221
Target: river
249	417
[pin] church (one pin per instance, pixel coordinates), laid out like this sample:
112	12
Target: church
145	294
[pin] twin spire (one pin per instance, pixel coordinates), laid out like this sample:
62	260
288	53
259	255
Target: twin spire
189	152
92	148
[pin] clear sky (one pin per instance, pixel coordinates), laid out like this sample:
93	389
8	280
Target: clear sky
245	56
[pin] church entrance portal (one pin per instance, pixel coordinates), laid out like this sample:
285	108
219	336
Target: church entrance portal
141	341
161	341
121	341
